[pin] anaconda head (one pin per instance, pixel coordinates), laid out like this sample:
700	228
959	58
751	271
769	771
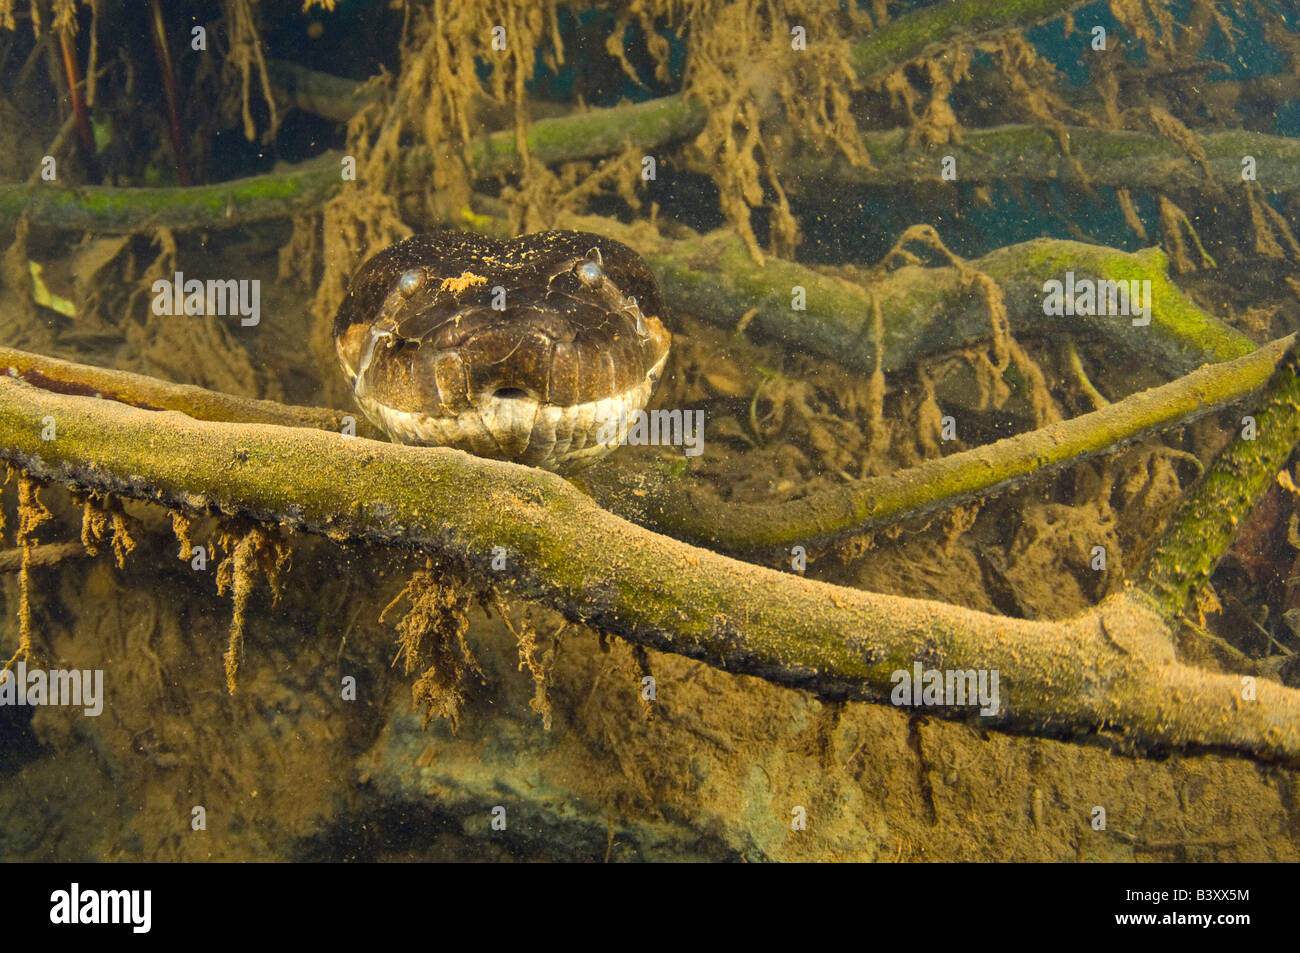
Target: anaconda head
540	349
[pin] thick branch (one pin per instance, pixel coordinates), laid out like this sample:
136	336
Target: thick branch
1075	677
926	310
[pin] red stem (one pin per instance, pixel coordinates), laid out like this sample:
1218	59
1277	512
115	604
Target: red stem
169	88
79	110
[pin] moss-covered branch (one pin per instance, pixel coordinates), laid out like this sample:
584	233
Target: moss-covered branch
223	205
1071	678
1022	153
669	507
150	393
947	481
934	26
1208	519
926	310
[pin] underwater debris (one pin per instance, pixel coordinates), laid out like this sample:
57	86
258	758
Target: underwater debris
103	518
431	641
250	552
31	514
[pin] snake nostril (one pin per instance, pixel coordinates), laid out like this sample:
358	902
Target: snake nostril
509	393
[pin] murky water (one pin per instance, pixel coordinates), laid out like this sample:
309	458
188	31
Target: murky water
828	598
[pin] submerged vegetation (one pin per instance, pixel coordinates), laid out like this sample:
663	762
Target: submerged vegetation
855	211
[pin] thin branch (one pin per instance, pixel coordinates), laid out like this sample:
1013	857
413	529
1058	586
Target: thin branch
1207	521
948	481
11	560
150	393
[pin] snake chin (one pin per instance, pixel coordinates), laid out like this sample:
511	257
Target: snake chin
511	424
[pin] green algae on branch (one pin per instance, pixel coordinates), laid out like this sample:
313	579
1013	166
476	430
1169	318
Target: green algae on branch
1108	671
1022	153
223	205
671	508
1180	336
1207	521
948	481
933	26
926	310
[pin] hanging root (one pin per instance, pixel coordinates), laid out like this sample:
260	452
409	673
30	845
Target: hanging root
31	514
252	552
182	526
102	517
1273	236
1173	224
539	658
431	640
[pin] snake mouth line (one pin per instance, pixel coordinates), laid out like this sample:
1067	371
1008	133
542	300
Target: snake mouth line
509	423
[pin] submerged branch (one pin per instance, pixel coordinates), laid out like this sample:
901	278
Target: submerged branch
1019	152
932	27
49	554
926	310
1109	670
982	471
1207	521
671	507
150	393
223	205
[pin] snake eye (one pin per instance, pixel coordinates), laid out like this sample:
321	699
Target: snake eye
410	281
590	273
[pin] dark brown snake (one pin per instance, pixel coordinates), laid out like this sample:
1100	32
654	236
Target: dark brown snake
540	349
